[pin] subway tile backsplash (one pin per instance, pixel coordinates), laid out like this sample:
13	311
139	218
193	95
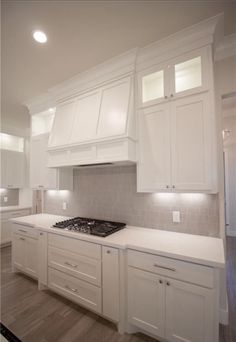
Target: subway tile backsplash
110	193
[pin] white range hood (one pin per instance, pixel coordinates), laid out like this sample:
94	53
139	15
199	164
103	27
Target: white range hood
96	125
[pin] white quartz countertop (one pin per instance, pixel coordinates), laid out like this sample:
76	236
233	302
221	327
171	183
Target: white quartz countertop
199	249
14	207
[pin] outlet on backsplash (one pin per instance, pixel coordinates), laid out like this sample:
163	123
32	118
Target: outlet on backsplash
5	199
64	205
176	216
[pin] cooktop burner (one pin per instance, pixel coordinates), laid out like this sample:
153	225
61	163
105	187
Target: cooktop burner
90	226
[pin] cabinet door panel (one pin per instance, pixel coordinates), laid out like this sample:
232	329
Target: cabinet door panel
63	123
31	256
5	231
12	169
40	175
86	117
110	276
18	251
154	164
191	143
146	301
190	73
114	108
189	313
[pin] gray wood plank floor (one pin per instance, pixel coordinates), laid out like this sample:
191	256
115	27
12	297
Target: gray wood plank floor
42	316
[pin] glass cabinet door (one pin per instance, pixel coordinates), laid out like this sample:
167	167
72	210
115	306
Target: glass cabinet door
188	74
153	86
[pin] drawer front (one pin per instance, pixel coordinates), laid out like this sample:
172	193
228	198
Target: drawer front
24	230
186	271
77	290
79	266
91	250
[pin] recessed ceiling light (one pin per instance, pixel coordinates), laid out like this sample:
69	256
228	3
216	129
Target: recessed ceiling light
40	37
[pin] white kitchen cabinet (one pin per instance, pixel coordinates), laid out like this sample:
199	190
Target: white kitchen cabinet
168	308
5	226
31	256
176	149
12	169
154	165
146	301
189	312
42	177
42	258
110	288
24	254
181	76
191	147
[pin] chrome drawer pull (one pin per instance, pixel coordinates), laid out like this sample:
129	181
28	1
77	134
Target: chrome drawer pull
165	268
68	264
71	289
22	239
22	230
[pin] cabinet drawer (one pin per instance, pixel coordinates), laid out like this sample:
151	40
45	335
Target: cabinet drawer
79	266
91	250
77	290
186	271
24	230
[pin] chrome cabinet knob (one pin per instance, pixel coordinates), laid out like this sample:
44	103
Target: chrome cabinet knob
167	187
160	281
167	283
108	252
166	97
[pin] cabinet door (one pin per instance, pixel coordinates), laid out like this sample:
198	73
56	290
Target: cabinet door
43	258
63	123
114	108
40	175
5	229
189	313
18	251
110	276
192	149
12	169
31	256
86	117
189	73
146	301
154	165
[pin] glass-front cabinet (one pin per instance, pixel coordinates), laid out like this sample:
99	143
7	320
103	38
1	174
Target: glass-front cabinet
181	76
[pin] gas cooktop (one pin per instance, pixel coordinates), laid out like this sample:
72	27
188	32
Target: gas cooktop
90	226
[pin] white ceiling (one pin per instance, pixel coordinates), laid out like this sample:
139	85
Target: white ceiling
82	34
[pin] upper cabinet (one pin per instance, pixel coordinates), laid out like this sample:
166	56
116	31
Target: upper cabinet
13	162
176	125
41	176
181	76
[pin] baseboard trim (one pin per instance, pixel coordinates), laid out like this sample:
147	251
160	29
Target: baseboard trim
224	317
231	232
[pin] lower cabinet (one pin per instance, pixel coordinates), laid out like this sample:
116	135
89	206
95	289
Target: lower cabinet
77	290
5	226
170	309
24	254
146	301
110	283
189	312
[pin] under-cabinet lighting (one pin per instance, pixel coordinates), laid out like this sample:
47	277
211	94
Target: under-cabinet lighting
2	190
61	193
